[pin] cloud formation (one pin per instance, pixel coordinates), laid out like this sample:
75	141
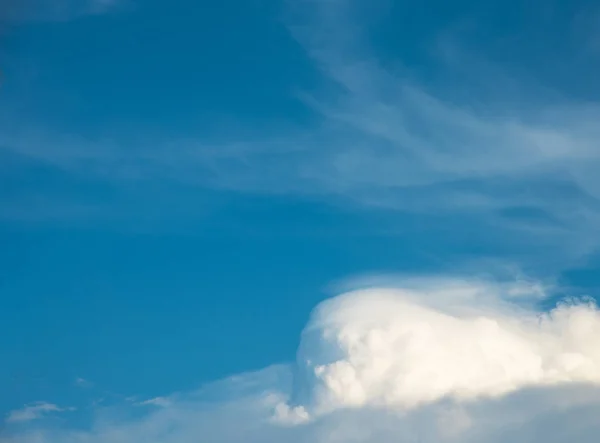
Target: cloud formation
520	162
161	402
33	412
409	347
433	360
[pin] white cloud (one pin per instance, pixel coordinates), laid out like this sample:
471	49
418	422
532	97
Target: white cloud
83	383
34	412
448	339
433	360
157	401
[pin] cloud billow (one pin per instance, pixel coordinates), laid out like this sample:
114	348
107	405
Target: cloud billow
405	348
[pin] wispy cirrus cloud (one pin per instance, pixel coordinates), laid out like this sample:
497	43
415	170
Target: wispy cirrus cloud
522	162
33	412
161	402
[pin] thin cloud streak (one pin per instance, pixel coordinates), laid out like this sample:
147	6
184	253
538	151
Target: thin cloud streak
34	412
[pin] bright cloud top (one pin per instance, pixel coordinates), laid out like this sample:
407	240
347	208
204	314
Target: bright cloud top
404	348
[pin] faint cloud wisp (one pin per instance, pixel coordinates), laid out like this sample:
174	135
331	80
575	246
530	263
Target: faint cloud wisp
34	412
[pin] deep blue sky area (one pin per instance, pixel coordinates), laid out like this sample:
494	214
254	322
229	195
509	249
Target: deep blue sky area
160	67
182	182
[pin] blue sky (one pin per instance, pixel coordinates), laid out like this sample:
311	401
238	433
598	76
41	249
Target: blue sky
182	183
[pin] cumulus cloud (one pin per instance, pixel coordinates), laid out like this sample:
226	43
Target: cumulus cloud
431	360
403	348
